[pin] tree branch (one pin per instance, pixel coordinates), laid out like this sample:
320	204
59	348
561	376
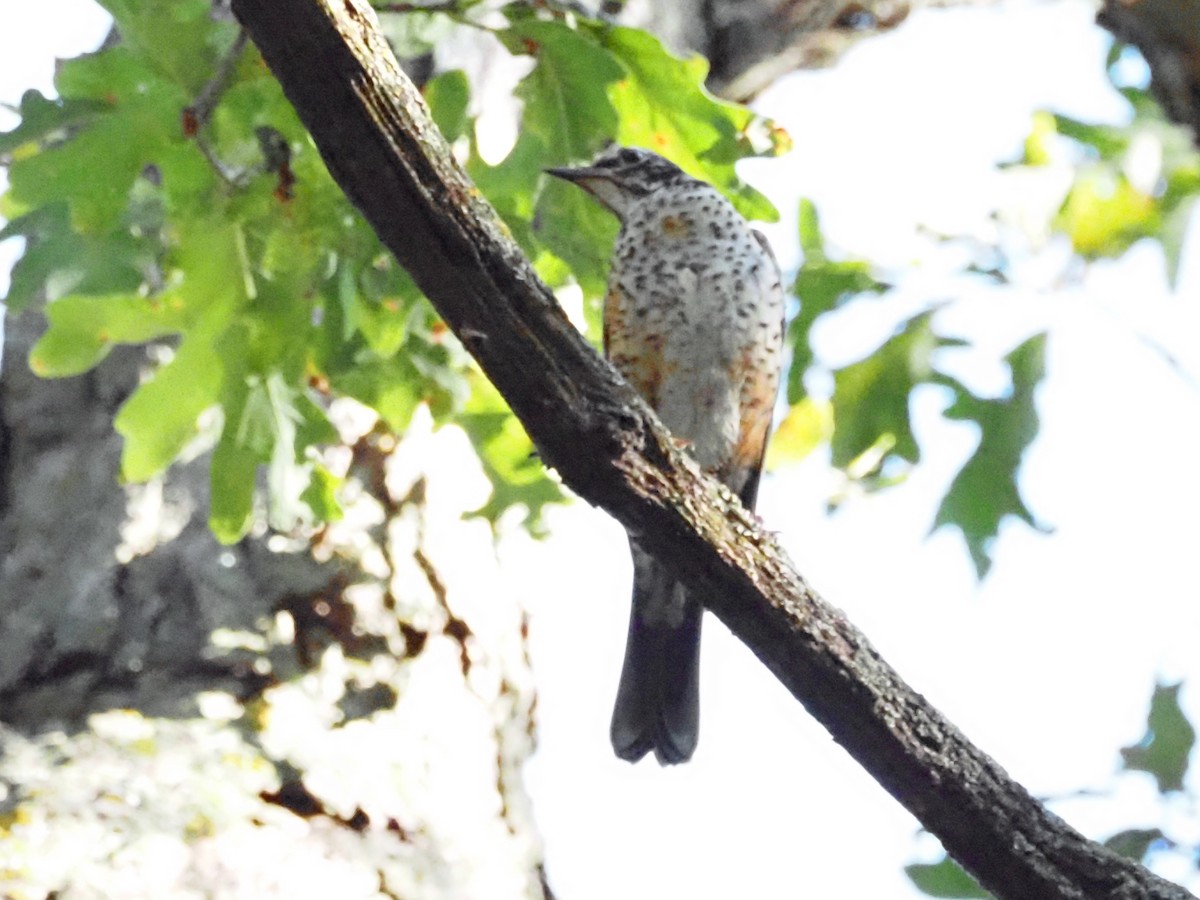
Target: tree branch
376	136
1168	34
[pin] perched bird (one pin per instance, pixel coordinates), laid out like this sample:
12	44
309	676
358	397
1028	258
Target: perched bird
693	318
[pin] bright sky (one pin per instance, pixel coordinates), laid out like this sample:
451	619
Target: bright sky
1050	663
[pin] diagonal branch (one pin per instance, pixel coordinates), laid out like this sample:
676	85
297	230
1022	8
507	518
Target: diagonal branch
379	143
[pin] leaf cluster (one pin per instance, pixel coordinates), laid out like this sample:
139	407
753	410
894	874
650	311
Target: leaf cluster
225	242
1130	182
866	419
218	235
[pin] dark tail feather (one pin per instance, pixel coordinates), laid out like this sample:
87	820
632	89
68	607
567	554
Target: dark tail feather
658	701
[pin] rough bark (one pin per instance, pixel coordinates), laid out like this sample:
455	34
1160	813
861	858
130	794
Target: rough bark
376	136
90	617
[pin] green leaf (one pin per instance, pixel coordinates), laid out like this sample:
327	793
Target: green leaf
944	879
1167	744
175	36
448	95
985	490
231	508
269	420
577	230
94	171
207	265
96	194
278	413
510	186
812	242
390	387
58	261
313	427
821	285
662	105
42	119
442	364
118	76
383	310
321	495
1109	141
566	98
807	426
160	418
509	460
84	329
1104	214
568	116
1135	843
1039	143
870	397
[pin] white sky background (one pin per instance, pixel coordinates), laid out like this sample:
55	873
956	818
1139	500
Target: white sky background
1049	664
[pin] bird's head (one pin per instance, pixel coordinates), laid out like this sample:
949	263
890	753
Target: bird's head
621	175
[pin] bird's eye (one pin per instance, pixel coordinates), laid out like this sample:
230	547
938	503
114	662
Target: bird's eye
629	156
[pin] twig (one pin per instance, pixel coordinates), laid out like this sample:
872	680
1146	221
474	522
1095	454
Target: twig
196	116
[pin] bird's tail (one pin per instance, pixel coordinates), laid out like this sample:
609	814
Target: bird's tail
658	701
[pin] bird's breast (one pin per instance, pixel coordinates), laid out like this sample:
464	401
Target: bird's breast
687	314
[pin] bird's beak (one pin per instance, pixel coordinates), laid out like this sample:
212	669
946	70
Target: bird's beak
597	182
580	176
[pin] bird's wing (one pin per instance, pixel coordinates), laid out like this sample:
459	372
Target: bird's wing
633	350
761	384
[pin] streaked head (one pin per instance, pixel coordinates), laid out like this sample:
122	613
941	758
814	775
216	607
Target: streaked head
621	175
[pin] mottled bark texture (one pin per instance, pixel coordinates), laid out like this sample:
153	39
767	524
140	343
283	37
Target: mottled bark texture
108	595
375	134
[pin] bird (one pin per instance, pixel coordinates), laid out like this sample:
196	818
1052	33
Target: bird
694	320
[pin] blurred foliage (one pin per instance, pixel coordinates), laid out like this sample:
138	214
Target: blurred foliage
984	491
1167	745
867	421
1125	183
1129	182
150	217
945	878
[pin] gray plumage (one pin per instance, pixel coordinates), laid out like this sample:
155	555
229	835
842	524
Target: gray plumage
694	320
